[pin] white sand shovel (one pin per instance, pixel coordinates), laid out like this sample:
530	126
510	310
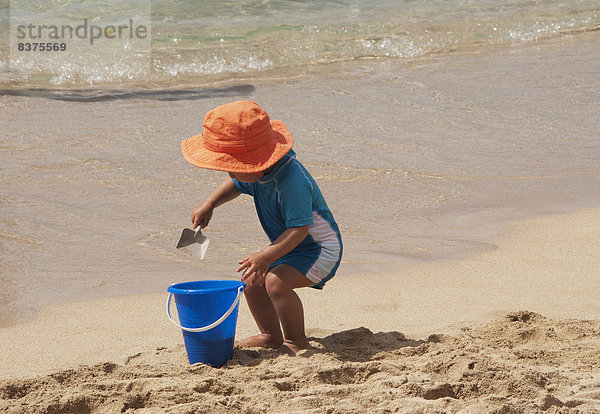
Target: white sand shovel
195	242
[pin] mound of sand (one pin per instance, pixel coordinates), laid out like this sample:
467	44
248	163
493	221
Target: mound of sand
522	363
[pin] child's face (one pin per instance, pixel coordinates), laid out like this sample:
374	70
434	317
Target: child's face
247	177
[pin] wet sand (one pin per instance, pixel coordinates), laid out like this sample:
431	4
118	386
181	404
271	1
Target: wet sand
425	166
419	162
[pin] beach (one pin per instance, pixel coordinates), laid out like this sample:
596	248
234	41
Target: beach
466	352
464	184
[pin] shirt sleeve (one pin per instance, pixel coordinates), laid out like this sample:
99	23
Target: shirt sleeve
296	203
244	188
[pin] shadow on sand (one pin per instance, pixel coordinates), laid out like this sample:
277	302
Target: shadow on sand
353	345
360	344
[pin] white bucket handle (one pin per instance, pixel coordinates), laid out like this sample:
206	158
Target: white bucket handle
212	325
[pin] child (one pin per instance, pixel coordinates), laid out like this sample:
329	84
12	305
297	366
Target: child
306	245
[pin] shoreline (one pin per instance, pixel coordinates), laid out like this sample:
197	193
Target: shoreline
525	272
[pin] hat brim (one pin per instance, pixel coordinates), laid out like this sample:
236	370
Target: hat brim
254	161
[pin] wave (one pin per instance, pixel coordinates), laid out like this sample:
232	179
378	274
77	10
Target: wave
187	50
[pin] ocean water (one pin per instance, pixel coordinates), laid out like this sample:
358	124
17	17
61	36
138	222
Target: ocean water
188	43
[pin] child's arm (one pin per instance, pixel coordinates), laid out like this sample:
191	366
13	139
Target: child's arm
202	213
257	264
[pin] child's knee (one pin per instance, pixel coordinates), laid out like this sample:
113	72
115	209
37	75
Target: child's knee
274	285
252	290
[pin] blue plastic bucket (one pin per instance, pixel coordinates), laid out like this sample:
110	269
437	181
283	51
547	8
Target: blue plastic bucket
207	312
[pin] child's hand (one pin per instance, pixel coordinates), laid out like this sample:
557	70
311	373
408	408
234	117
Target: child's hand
256	266
201	214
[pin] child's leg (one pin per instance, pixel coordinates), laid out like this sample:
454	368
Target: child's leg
277	302
280	284
266	318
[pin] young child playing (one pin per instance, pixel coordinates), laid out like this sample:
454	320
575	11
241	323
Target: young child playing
306	245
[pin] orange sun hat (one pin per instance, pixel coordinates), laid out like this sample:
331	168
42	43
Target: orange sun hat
238	137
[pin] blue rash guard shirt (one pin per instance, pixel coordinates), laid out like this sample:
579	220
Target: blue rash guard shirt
289	197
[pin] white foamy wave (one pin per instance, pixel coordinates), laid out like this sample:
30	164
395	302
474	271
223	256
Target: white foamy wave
543	30
216	65
403	47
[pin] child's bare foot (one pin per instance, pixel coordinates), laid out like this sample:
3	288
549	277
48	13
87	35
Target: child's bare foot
263	341
292	347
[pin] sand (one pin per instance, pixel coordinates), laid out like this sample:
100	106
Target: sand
437	353
520	363
465	186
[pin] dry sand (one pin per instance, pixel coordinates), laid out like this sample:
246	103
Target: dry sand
435	351
521	363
